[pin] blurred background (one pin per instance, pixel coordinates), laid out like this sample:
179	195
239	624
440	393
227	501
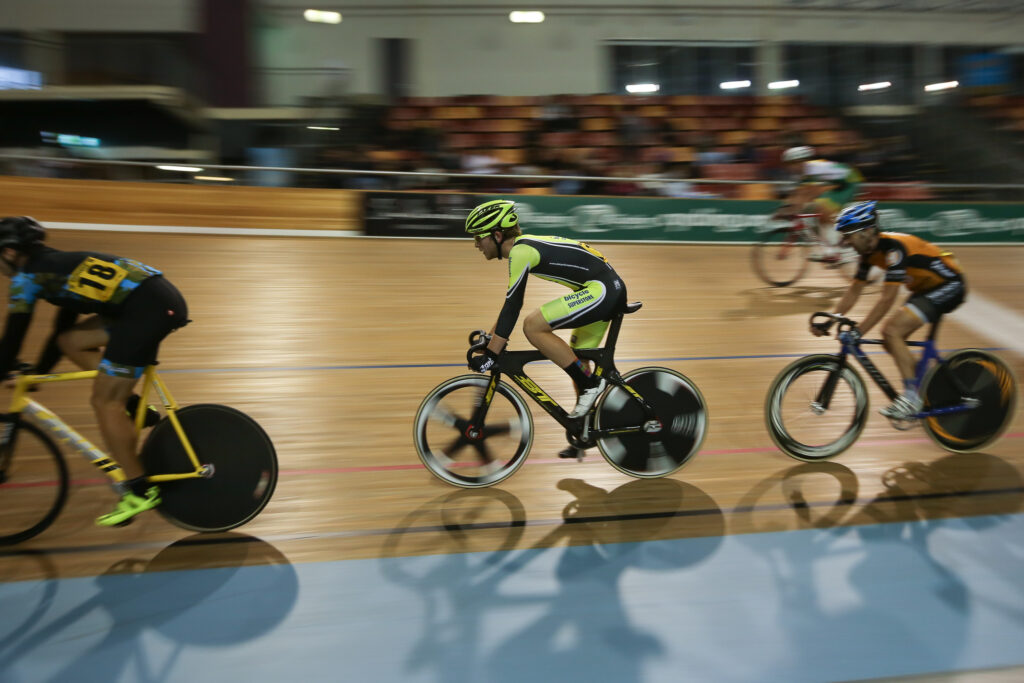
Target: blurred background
915	94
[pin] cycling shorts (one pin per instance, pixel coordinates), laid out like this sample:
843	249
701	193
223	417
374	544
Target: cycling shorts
586	311
150	313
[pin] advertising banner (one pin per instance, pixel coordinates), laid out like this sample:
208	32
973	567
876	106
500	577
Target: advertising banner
413	214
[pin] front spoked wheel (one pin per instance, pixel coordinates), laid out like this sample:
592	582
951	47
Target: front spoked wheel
467	455
678	406
241	460
805	423
973	376
33	482
780	258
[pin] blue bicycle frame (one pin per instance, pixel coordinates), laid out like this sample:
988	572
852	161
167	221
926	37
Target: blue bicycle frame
928	354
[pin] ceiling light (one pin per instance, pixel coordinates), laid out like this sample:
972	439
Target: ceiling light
526	17
322	127
732	85
882	85
186	169
322	17
779	85
642	87
933	87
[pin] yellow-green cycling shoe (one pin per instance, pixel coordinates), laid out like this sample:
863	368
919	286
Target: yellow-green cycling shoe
129	506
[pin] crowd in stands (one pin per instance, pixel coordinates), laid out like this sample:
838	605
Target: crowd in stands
672	144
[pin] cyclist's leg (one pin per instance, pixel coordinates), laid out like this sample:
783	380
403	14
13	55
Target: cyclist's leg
827	209
81	343
926	307
595	302
151	313
585	337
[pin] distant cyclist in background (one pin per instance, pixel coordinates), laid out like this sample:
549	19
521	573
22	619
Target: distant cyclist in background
824	187
134	308
932	275
597	295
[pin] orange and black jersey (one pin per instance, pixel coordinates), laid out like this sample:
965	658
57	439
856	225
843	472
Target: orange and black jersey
920	265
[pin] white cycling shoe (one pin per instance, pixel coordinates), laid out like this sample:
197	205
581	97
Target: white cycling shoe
903	408
586	399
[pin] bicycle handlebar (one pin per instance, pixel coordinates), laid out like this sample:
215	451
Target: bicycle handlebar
478	339
844	322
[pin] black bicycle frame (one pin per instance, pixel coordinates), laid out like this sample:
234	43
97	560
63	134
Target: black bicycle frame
512	363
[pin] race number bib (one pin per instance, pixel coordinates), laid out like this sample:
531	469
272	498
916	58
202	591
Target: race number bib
96	279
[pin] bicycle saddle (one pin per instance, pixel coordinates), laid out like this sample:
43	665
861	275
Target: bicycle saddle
632	307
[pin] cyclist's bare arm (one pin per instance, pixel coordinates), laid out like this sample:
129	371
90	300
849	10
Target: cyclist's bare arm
850	297
889	293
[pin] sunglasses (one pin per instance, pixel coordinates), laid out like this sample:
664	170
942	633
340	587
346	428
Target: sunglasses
480	238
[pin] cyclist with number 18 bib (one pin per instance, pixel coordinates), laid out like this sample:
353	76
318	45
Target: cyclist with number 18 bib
824	187
131	307
597	295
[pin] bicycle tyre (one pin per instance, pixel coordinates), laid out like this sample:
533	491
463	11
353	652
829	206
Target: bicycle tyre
989	380
244	468
678	404
440	462
784	430
27	471
780	258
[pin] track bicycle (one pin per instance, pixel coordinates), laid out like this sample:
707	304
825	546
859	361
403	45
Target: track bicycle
215	465
782	255
817	406
647	423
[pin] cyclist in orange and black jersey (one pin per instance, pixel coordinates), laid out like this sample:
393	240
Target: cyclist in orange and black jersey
933	276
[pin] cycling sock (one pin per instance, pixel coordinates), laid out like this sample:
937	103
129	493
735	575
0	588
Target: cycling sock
579	375
139	486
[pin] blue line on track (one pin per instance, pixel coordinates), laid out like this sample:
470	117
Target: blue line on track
403	366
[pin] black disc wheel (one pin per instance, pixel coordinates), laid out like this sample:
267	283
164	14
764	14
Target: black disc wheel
33	481
975	378
780	258
240	458
808	421
469	455
673	436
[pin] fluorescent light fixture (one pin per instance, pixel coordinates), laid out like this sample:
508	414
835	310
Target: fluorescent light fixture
882	85
642	87
322	17
186	169
733	85
217	178
322	127
526	17
780	85
933	87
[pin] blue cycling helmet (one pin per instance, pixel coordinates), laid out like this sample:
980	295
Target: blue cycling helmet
857	217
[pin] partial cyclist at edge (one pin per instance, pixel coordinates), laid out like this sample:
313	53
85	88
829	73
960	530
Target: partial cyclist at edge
131	309
932	274
598	293
824	187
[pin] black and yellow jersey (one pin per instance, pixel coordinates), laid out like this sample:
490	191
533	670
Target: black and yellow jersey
920	265
558	259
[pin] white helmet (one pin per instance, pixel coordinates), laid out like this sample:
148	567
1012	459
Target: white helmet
798	154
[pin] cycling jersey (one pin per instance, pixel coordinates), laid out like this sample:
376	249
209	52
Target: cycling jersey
77	282
825	172
567	262
82	281
920	265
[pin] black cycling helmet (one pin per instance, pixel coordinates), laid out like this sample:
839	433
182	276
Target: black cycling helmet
21	233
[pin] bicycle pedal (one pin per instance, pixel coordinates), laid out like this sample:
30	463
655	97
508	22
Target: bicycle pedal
571	452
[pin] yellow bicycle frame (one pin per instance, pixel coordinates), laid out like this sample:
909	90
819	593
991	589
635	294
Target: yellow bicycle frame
21	403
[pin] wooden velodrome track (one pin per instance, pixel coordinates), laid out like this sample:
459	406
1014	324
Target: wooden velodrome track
331	344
